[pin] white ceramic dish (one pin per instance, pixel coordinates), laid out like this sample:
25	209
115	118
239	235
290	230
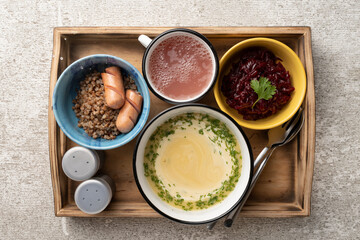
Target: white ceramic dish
197	216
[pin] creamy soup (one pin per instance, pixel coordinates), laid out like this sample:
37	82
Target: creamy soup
192	161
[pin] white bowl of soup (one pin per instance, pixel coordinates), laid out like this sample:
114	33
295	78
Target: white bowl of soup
193	163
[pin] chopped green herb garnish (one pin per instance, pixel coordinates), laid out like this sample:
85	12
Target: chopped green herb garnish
218	133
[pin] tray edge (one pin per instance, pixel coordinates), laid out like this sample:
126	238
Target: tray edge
311	120
52	127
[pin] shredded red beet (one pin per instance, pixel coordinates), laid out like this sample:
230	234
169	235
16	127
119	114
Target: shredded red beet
255	63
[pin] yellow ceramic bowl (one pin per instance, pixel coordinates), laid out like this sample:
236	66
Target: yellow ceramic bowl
290	61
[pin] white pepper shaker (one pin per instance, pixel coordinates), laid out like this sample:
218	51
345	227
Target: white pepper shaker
80	163
94	195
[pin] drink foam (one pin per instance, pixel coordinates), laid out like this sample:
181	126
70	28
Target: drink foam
180	67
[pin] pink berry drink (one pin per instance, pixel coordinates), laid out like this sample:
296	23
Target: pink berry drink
181	67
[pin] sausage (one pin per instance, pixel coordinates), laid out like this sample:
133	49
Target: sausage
129	112
114	87
135	99
125	120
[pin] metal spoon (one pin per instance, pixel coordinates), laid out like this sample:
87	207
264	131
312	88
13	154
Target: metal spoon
277	137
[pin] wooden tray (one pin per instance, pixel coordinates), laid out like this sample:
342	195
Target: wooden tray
284	187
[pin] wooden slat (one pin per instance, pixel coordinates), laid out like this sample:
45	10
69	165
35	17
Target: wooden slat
230	31
53	128
310	121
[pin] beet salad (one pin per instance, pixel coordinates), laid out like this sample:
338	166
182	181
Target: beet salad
258	85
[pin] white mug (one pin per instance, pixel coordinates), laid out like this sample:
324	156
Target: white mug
179	65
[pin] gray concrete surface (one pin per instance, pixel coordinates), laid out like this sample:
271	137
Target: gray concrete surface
26	201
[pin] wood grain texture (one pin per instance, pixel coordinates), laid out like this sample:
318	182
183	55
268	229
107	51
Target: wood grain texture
284	188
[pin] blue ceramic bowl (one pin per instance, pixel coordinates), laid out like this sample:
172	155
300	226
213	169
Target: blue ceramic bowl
65	92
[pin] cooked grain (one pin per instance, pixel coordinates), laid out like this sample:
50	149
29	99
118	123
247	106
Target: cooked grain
95	117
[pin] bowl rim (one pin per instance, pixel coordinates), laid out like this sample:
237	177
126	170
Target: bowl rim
146	105
213	80
247	144
254	125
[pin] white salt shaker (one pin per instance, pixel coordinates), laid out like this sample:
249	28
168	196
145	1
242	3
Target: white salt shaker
80	163
94	195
